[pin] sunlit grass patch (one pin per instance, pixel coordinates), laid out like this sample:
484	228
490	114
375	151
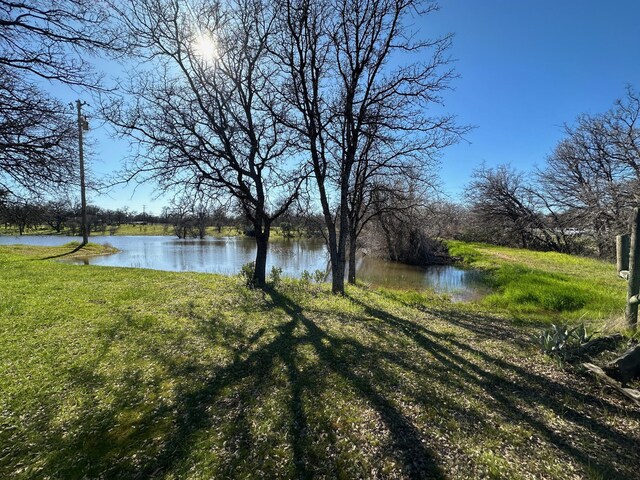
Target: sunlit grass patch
68	250
547	286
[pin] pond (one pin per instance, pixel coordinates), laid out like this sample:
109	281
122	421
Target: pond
227	255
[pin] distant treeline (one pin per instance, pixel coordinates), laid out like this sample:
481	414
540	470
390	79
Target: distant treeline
501	211
63	217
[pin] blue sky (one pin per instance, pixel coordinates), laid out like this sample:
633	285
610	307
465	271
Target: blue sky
525	69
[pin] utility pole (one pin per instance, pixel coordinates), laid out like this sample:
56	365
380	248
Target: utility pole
83	125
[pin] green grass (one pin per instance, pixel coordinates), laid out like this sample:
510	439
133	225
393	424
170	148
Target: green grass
68	250
547	286
129	373
126	229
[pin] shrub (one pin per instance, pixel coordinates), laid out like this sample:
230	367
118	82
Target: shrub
319	276
305	279
246	273
275	276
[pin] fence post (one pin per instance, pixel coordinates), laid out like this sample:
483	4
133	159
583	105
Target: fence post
633	287
623	244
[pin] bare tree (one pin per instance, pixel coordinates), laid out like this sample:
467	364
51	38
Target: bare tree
43	40
510	211
23	214
180	215
56	213
400	223
622	123
447	219
585	190
37	140
593	174
387	177
200	107
344	95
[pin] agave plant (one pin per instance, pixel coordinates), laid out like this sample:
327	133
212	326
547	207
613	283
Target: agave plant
559	338
581	335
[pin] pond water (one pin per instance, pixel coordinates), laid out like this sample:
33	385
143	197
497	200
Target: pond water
227	255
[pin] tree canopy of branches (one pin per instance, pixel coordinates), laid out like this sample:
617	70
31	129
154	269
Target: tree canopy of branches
593	175
586	189
509	210
37	140
359	118
201	107
43	41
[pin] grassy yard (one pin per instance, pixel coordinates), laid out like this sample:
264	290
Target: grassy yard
128	373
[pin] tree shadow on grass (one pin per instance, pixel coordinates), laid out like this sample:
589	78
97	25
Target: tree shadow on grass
518	393
39	259
50	446
252	369
418	461
267	366
70	252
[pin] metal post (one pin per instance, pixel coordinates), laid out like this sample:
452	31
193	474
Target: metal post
634	272
82	125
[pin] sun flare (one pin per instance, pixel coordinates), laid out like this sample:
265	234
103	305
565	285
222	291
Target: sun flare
205	48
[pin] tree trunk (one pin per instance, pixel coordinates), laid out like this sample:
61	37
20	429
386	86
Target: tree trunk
352	258
339	267
333	244
630	393
337	273
262	243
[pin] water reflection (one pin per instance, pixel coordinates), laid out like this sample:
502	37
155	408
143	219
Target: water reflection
460	284
227	255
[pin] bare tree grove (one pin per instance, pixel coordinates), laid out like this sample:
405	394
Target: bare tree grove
580	198
254	100
332	106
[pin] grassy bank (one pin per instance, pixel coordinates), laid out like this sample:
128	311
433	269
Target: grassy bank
68	250
125	229
128	373
547	286
163	229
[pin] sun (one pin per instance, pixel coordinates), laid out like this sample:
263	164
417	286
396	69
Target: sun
205	48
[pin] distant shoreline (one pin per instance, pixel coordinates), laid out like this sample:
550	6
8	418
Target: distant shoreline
130	230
